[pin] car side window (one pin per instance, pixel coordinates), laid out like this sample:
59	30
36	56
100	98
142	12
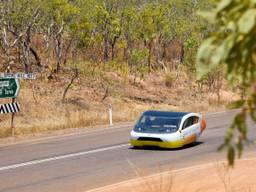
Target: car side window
190	121
195	120
187	122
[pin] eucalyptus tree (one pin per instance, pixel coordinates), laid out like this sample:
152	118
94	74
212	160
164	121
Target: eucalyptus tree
107	19
58	16
83	28
19	19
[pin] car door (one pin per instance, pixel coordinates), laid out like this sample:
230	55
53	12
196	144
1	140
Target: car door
189	129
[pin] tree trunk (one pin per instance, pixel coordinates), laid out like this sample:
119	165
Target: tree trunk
25	54
113	44
182	52
106	56
150	55
36	56
67	51
58	53
112	51
129	49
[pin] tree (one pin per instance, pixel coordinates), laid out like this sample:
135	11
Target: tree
58	17
129	21
18	22
233	44
46	31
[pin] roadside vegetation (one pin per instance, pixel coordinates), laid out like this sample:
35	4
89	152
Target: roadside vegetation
89	55
232	46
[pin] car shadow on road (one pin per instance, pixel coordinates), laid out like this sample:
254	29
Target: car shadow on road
155	148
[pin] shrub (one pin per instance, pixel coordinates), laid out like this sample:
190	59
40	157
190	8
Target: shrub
169	79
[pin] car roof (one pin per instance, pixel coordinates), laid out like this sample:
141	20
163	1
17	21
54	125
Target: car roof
165	113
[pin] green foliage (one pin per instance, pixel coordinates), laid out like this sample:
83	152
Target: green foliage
59	10
132	32
233	45
139	60
22	12
122	69
169	79
139	57
143	70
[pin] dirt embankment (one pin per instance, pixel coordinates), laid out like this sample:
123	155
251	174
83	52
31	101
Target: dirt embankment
87	101
212	177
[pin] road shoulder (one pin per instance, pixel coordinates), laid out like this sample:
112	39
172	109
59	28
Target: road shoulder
196	178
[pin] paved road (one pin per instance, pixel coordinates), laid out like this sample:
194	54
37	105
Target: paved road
89	160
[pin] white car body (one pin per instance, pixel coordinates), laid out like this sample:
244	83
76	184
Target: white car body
190	128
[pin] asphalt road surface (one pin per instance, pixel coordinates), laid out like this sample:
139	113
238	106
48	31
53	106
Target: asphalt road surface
80	162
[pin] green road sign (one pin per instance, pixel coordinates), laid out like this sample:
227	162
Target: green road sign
9	87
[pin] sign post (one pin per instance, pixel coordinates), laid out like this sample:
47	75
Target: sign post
12	120
9	88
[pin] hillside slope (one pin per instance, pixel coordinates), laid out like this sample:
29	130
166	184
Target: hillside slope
89	97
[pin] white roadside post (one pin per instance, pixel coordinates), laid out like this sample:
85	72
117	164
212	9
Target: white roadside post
110	115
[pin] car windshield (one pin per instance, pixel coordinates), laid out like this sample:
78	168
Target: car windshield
157	124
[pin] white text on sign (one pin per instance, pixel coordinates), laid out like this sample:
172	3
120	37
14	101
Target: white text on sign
18	75
4	83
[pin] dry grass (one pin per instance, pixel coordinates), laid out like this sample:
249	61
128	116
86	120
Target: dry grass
223	172
88	99
216	177
162	183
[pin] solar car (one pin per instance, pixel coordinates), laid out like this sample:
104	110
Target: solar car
167	129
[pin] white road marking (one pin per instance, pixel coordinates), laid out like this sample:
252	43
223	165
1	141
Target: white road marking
60	157
131	181
71	155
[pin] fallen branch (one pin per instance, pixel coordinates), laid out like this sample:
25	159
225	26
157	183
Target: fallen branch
70	83
106	94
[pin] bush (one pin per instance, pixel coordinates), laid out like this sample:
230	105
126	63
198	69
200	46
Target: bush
169	79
